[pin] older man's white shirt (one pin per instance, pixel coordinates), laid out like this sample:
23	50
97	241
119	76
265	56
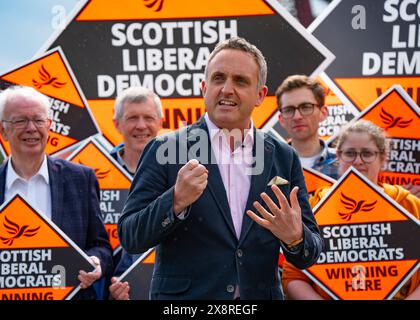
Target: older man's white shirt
36	190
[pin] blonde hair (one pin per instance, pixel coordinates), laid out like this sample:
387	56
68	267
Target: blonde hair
376	133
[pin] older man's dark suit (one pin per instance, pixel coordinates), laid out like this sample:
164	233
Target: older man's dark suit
75	210
201	257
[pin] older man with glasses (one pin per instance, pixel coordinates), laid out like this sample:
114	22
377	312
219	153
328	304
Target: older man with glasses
66	193
300	102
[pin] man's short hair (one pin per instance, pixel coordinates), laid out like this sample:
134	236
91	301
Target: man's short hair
238	43
136	95
22	91
301	81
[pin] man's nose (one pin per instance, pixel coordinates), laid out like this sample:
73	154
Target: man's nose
228	87
31	125
297	114
141	123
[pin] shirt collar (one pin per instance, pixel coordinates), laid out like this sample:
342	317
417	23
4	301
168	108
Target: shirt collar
120	160
323	155
215	130
324	151
120	153
12	176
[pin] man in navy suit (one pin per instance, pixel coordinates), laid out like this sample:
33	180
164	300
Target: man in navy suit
66	193
193	187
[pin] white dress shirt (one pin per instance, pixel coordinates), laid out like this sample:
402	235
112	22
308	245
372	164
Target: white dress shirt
36	190
234	169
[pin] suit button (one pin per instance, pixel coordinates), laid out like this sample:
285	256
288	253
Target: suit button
230	288
239	253
306	252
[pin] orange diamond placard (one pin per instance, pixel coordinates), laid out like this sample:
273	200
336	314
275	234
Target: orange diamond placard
399	116
165	44
114	184
51	75
383	51
140	273
37	260
340	110
315	179
370	241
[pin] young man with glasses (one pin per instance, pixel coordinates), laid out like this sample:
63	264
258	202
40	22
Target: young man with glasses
300	102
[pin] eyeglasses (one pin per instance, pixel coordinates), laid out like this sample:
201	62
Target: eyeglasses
23	123
349	156
305	109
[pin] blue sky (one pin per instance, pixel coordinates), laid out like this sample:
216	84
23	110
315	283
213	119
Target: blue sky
25	25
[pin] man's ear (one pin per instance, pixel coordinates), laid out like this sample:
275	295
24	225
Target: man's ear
3	132
262	92
49	123
203	87
116	124
324	113
281	120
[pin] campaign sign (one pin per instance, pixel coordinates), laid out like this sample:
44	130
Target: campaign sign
315	179
376	44
51	75
37	260
164	45
139	276
340	110
114	184
371	242
399	116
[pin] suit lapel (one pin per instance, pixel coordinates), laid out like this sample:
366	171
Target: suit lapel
258	181
217	190
3	170
56	187
215	182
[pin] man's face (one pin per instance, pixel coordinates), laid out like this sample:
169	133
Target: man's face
30	141
230	91
138	124
302	127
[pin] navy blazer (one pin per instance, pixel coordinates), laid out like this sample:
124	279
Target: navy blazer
201	257
75	209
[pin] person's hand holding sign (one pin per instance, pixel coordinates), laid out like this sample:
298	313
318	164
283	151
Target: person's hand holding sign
87	278
119	290
283	220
